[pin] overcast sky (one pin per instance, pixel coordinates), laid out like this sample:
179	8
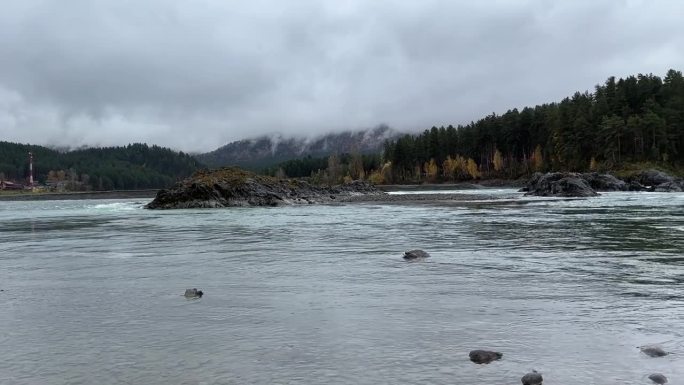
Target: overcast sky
193	75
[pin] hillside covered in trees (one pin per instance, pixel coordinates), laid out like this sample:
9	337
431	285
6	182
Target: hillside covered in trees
638	119
136	166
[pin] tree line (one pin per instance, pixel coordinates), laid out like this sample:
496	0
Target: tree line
332	169
135	166
631	120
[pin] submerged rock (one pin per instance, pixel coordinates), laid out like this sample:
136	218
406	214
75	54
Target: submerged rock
484	356
658	378
415	254
193	293
532	378
559	184
230	186
653	351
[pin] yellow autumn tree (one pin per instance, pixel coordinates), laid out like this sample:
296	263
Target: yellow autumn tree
431	170
461	167
473	170
449	168
498	161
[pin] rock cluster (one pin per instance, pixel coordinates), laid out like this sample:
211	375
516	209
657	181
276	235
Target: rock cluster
229	187
570	184
560	184
535	378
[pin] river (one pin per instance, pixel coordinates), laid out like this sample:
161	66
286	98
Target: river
92	292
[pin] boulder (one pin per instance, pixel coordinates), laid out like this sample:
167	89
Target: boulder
604	182
653	351
532	378
672	186
415	254
559	184
652	178
658	378
193	293
484	356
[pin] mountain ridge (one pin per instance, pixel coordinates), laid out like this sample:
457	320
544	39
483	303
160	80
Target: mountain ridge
264	151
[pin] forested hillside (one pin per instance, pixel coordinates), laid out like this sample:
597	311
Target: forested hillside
267	151
136	166
632	120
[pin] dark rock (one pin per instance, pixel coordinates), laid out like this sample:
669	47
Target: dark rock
653	351
228	187
653	178
672	186
559	184
484	356
193	293
633	185
658	378
532	378
604	182
415	254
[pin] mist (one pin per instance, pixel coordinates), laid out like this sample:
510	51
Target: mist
195	75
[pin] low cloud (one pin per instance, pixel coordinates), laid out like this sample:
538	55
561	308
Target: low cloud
195	75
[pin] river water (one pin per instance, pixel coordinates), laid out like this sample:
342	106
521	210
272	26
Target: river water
92	292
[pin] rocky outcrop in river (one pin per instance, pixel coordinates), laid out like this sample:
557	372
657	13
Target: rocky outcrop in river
229	187
561	184
654	180
570	184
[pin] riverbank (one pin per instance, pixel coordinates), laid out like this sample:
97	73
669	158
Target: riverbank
124	194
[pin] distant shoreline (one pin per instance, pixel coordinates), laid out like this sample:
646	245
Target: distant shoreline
130	194
123	194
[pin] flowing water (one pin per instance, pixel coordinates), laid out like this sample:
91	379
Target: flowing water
92	292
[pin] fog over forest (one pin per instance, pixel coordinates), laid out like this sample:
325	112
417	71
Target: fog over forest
195	75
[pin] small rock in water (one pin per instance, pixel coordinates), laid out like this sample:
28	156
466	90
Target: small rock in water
653	351
415	254
484	356
532	378
658	378
193	293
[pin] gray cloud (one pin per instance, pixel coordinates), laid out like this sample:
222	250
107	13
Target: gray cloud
193	75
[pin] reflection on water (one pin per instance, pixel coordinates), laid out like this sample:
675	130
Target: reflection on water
93	292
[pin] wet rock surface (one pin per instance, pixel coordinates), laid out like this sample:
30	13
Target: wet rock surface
658	378
568	184
484	356
193	293
653	351
416	254
532	378
559	184
604	182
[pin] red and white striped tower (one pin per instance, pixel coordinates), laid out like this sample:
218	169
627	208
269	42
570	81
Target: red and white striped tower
31	169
